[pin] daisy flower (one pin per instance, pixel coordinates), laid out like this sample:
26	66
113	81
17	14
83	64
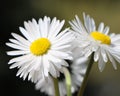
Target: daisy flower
98	40
42	50
77	69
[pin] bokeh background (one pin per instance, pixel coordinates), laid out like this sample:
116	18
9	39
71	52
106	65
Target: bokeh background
14	12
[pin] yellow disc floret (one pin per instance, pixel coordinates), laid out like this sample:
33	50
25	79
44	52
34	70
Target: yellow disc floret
104	39
40	46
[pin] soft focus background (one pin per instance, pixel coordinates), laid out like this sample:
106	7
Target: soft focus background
14	12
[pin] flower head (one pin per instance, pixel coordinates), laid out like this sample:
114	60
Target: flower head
104	45
42	50
77	69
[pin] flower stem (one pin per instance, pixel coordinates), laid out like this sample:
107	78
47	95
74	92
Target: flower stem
68	81
84	83
56	87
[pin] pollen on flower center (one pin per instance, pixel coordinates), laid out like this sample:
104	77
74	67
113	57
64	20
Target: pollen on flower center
40	46
101	37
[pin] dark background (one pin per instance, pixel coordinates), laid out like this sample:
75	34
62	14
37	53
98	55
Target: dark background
14	12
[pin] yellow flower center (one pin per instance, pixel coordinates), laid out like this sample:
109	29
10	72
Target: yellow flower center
101	37
40	46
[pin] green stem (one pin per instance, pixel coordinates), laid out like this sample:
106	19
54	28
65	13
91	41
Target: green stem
68	81
84	83
56	87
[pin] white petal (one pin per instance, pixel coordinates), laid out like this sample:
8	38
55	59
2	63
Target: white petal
112	60
54	31
38	64
86	21
62	42
44	26
31	74
53	58
60	54
15	46
64	63
31	65
31	29
19	43
96	55
19	64
61	47
77	25
76	29
62	33
25	75
101	27
20	58
20	39
115	38
67	37
57	65
36	28
93	25
88	53
80	25
13	65
106	30
13	53
20	71
40	83
25	33
53	24
101	64
53	71
46	65
104	56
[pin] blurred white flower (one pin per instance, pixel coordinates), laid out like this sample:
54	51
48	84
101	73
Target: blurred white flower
77	69
105	46
42	50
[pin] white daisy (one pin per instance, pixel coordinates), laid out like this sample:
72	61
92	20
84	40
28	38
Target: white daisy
43	49
77	69
105	46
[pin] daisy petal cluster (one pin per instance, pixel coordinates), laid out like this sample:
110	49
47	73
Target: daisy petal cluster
77	69
98	40
41	50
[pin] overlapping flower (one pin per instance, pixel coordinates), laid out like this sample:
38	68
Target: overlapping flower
77	70
42	50
104	45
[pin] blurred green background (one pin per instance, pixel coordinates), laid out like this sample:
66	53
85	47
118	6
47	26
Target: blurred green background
15	12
